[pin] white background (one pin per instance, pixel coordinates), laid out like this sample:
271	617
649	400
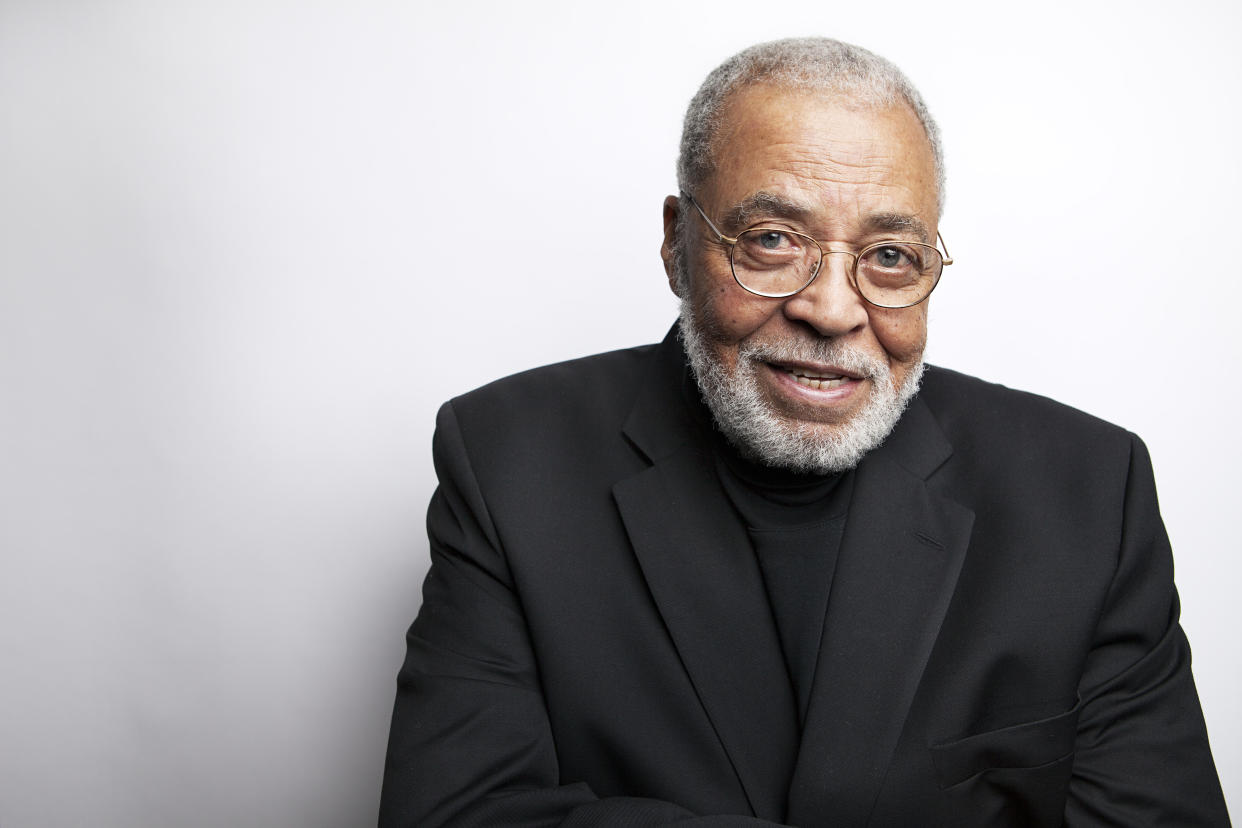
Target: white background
246	249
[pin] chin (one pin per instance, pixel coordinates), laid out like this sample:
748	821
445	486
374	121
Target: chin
762	434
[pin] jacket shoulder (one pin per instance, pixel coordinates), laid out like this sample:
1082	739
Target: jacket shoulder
990	417
594	391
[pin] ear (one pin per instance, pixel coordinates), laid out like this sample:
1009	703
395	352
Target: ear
671	215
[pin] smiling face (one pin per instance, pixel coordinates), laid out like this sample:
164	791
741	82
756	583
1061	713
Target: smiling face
813	381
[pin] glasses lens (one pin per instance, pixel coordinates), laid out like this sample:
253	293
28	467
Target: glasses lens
774	262
898	274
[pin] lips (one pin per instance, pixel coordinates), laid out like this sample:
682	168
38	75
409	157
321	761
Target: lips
818	382
817	379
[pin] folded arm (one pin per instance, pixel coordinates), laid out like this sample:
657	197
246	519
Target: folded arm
1142	755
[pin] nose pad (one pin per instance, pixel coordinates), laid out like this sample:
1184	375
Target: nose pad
846	264
831	304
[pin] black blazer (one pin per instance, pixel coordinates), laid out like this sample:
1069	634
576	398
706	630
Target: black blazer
596	647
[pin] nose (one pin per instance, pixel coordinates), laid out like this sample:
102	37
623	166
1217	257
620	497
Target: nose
830	303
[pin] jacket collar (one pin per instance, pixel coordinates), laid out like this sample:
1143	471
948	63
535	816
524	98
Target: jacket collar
659	422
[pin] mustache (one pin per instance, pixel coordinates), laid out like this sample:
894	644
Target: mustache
830	351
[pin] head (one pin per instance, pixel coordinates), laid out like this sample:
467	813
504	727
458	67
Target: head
825	139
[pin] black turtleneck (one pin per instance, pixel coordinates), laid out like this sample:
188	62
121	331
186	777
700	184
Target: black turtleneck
795	522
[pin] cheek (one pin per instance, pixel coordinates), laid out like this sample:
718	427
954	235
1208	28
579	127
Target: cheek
728	314
901	333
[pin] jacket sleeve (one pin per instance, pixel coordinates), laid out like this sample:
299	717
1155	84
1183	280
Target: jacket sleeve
470	742
1142	755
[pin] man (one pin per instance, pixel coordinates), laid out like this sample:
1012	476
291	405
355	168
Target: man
771	571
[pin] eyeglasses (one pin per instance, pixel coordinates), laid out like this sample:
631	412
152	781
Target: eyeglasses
777	263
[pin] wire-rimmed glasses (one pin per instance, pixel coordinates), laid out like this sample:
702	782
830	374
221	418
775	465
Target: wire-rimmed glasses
777	263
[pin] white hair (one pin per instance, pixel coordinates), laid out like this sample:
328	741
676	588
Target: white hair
816	64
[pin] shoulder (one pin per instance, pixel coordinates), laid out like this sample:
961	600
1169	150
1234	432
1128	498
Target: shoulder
1019	433
961	402
567	416
545	443
600	387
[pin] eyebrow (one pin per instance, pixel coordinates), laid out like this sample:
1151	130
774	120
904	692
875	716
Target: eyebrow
764	203
897	223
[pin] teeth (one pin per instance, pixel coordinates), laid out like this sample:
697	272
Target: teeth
818	383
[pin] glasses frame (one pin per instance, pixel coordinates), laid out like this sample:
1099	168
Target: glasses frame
731	243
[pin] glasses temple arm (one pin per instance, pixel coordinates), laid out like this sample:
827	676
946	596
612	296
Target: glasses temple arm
730	240
947	259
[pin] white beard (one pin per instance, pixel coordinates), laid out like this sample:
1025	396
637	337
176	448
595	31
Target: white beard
761	435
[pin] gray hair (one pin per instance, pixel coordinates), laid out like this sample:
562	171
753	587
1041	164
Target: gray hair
804	63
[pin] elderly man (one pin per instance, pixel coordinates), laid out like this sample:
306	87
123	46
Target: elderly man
773	570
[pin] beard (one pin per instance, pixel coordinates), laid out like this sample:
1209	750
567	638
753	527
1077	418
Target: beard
762	435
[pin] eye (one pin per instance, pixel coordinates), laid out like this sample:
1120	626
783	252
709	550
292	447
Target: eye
771	239
892	257
774	262
766	242
766	247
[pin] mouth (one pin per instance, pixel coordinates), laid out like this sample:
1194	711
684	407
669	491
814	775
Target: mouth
818	379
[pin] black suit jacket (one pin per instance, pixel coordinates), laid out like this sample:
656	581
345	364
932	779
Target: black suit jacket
596	647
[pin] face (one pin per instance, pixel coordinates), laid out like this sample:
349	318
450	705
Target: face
813	381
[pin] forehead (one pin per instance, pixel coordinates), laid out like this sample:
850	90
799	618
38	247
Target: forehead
822	151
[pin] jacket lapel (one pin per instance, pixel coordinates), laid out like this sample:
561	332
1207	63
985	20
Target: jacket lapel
698	563
900	557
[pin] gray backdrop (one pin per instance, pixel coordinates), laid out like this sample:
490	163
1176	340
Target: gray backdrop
247	248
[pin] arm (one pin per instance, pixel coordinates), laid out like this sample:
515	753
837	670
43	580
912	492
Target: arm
470	742
1142	755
